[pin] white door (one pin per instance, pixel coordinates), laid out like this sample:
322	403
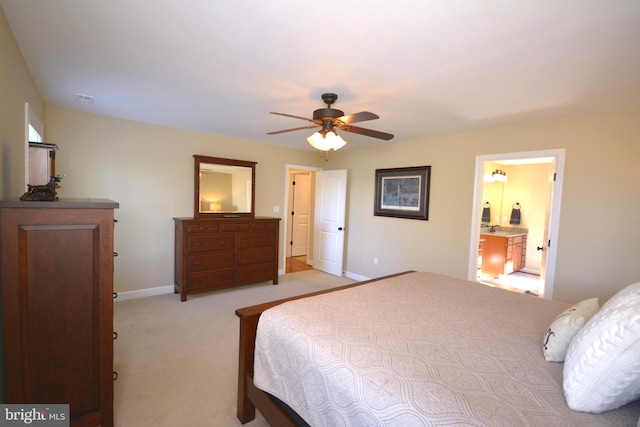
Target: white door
331	198
301	193
546	239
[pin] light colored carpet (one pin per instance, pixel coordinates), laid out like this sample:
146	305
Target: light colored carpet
177	362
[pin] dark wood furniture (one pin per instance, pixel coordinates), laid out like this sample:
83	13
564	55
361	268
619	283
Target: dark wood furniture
250	397
56	261
42	162
503	254
213	254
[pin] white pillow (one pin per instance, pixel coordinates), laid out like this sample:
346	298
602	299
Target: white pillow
565	327
602	366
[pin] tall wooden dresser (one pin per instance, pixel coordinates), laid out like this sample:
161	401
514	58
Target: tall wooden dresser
219	253
56	261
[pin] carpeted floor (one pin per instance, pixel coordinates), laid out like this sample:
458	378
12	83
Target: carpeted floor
177	361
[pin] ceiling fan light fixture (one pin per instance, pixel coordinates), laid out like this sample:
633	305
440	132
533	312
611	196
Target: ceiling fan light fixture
326	141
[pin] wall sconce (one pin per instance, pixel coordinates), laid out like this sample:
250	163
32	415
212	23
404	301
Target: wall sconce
215	206
499	176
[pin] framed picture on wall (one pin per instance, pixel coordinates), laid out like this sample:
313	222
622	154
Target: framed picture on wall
403	192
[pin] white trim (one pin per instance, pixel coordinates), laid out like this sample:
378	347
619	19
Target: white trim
554	210
354	276
534	271
141	293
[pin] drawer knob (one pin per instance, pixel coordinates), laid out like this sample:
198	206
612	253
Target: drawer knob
197	243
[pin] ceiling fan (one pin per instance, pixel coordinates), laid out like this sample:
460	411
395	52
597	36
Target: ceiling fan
329	119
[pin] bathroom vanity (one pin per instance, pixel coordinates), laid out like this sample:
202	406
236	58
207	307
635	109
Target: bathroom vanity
503	252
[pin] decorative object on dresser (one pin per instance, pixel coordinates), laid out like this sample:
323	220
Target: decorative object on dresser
41	162
56	273
45	193
221	253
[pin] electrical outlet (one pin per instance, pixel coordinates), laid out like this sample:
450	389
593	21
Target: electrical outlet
375	260
276	209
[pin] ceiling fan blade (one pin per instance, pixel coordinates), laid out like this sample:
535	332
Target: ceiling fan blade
358	117
291	130
292	116
367	132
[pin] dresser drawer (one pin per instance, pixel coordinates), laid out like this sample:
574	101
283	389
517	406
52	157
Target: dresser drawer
265	225
253	257
211	281
256	240
198	263
216	253
254	274
210	242
203	228
235	226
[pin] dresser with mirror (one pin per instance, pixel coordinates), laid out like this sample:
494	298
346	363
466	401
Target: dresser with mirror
224	244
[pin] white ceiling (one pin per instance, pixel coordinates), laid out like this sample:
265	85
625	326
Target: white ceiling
426	67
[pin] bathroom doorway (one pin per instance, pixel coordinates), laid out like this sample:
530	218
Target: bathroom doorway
515	220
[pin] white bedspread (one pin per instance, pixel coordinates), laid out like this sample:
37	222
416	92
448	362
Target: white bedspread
418	350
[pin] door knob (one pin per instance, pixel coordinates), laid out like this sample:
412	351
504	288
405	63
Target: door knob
539	248
339	228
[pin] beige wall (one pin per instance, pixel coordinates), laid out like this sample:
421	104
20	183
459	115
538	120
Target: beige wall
599	237
149	171
17	89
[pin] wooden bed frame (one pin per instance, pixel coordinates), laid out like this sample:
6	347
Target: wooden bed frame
250	397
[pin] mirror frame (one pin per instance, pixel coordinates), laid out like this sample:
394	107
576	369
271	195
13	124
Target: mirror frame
198	160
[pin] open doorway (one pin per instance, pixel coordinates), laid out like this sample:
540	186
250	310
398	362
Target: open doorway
297	251
515	220
299	225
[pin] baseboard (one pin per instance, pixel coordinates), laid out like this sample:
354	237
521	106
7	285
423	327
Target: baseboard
141	293
355	276
530	271
161	290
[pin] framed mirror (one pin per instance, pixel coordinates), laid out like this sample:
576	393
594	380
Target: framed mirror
223	188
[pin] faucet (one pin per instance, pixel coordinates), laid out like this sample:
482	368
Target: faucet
493	228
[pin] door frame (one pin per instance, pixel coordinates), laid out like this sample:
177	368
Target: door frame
554	210
287	210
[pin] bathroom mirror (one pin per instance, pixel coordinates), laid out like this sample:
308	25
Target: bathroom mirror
223	188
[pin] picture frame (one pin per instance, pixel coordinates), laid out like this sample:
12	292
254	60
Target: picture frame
403	192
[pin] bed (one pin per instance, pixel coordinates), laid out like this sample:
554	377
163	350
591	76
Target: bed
412	349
